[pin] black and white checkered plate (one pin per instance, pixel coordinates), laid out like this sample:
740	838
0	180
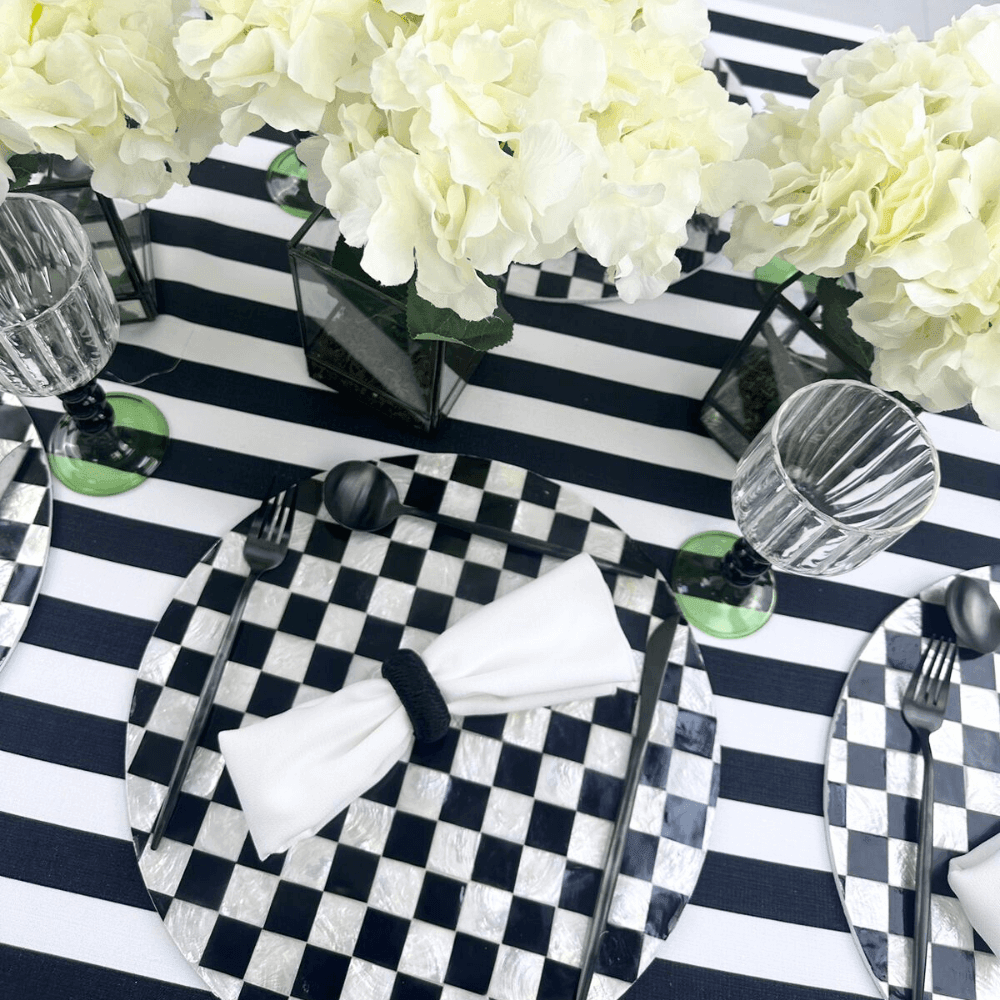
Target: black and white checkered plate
577	277
873	782
469	870
25	524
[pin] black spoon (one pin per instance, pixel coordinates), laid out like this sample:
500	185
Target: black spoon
973	614
362	497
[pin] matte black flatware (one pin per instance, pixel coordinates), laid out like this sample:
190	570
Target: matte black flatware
360	496
653	670
923	705
265	548
973	614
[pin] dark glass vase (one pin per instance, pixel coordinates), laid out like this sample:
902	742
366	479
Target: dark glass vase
801	335
118	231
355	336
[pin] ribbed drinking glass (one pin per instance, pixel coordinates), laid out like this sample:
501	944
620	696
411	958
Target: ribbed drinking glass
840	472
58	326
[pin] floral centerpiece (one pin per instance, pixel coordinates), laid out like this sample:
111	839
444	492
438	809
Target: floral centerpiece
451	138
892	172
99	80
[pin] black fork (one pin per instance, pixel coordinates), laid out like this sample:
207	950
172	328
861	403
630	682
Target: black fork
265	548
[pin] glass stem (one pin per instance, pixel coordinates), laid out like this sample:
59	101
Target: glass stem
742	565
89	408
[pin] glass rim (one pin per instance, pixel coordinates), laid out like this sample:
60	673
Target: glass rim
875	390
83	243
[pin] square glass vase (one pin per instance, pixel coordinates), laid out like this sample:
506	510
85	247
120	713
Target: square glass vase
789	344
355	337
118	231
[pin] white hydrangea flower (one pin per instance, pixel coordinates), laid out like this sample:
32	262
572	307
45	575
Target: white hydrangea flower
99	80
892	172
495	131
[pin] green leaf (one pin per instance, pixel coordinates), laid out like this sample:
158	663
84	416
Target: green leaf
429	322
23	165
835	299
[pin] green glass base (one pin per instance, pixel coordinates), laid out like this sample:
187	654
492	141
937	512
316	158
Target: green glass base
113	461
710	602
287	184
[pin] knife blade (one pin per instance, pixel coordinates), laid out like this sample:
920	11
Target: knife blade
653	670
10	463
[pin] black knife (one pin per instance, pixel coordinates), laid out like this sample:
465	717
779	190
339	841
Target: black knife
653	669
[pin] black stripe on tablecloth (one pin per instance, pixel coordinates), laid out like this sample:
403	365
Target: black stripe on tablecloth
127	541
30	975
776	34
72	860
772	80
776	782
103	867
219	240
228	312
233	178
694	982
970	475
767	681
85	631
62	736
769	890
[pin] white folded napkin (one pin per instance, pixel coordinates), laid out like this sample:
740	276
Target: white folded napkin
975	879
556	639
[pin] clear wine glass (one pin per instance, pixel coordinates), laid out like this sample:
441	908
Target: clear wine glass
839	472
58	326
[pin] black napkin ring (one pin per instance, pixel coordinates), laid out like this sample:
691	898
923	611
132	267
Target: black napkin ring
406	671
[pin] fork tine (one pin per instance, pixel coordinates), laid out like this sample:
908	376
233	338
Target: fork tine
288	508
261	517
947	663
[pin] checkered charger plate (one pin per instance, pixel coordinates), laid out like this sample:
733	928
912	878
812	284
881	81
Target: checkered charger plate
25	524
472	868
873	785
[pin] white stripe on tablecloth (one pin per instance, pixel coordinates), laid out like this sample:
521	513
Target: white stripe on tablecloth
235	211
125	590
65	796
67	681
253	151
589	357
764	833
688	312
91	930
250	282
768	949
775	57
226	349
775	732
962	437
798	640
570	425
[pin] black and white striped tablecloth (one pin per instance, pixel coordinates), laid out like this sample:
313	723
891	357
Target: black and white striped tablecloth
601	397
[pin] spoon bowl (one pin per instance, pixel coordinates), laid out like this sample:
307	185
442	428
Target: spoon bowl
973	614
361	497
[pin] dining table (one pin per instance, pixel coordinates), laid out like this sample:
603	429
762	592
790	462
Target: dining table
599	397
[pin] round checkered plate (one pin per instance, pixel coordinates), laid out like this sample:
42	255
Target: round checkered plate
25	524
471	868
873	783
577	277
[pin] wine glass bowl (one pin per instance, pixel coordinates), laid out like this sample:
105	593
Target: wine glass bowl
57	310
59	324
840	472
